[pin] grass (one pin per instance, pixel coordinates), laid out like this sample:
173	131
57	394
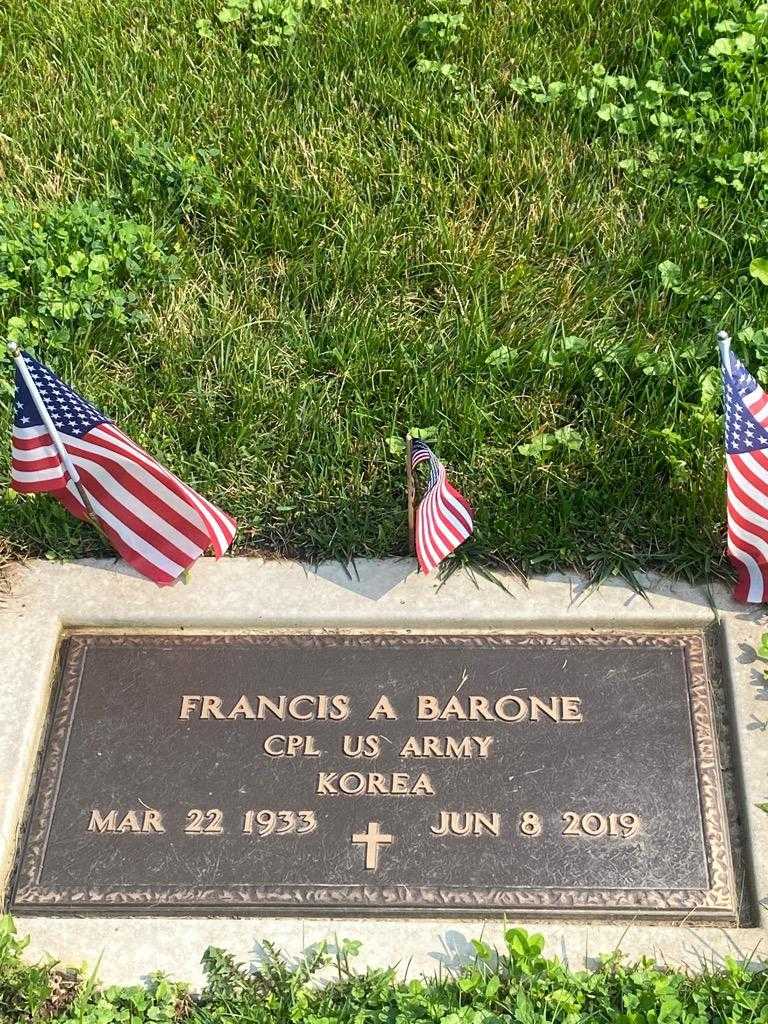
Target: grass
514	984
373	215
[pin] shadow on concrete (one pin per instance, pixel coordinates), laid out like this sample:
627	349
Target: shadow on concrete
695	951
371	578
689	947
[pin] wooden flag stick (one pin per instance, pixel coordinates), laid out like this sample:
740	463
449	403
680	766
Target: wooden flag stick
49	425
411	494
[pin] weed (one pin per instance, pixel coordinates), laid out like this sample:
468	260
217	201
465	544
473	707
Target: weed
517	982
68	269
263	26
186	183
437	33
24	989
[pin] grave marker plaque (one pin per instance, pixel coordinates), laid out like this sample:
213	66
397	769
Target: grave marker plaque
568	774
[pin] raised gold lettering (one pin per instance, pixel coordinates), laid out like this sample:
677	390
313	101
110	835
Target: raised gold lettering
446	746
153	821
325	783
411	747
276	709
423	785
383	709
295	702
484	744
340	708
275	745
102	823
510	699
361	746
572	709
453	709
400	782
352	783
291	746
211	708
188	704
466	823
479	707
377	783
374	783
130	823
551	710
490	823
428	708
458	748
507	708
243	707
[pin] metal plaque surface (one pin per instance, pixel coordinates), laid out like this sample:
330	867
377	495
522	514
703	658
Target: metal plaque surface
568	774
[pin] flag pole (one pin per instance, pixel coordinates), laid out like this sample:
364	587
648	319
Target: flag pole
58	444
724	344
410	493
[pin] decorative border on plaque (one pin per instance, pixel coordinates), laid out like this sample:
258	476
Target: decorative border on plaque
716	904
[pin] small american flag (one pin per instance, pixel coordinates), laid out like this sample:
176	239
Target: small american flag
746	445
158	524
443	518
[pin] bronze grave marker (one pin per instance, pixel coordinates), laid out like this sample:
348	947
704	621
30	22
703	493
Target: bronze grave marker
572	774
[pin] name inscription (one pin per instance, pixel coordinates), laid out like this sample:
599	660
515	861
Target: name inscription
376	772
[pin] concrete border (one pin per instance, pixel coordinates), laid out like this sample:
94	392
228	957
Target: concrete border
256	595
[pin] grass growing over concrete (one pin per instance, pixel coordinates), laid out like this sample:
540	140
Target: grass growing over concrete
514	984
268	236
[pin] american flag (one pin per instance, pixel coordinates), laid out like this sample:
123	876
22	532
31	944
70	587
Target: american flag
158	524
444	517
746	446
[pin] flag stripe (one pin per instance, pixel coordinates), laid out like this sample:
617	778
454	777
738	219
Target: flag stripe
123	466
32	445
32	457
218	534
757	403
745	485
38	476
137	542
438	538
221	538
30	436
130	509
752	577
746	441
427	554
135	531
443	517
747	549
465	510
28	457
744	506
454	511
746	524
759	459
71	501
432	552
131	489
445	526
749	540
154	520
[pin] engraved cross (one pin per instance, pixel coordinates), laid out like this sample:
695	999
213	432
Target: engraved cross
372	839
